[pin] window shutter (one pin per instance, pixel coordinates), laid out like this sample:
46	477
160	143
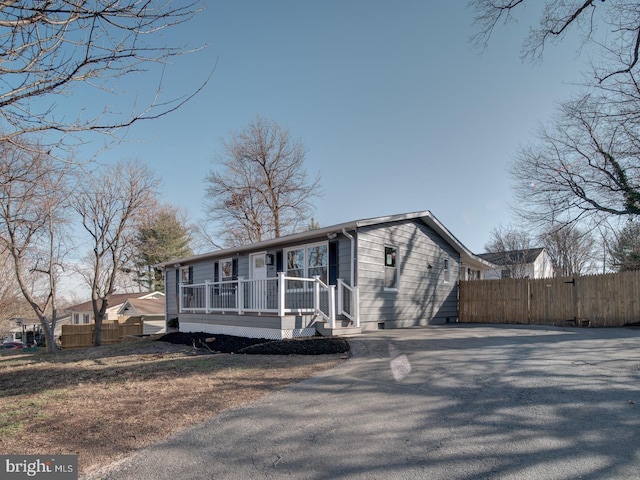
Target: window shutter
333	263
177	281
234	269
190	275
279	266
216	272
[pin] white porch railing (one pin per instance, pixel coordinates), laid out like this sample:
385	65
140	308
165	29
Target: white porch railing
348	302
281	295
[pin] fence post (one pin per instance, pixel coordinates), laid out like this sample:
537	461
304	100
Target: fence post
281	293
528	300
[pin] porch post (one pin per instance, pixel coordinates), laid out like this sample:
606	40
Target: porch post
240	295
180	289
316	293
207	297
356	299
332	306
340	296
281	293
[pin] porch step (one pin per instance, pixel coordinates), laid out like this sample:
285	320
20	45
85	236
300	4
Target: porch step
339	331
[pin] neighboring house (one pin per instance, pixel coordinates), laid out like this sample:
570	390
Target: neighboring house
532	263
83	312
385	272
149	310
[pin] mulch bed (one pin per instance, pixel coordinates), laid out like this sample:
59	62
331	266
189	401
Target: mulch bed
258	346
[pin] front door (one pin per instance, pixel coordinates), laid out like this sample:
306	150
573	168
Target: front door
258	284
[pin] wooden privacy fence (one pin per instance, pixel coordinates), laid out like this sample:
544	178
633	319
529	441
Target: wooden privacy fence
113	331
608	300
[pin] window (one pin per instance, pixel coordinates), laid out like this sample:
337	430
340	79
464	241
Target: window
446	271
85	318
226	270
308	261
76	318
390	268
184	275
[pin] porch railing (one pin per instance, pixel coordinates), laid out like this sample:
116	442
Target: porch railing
280	295
348	302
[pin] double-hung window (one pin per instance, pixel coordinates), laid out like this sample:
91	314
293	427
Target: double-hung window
306	262
391	268
226	275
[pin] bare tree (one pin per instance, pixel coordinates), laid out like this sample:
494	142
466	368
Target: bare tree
513	247
110	203
583	166
260	188
571	250
12	302
33	196
54	48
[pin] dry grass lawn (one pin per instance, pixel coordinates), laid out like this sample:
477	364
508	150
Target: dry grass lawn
104	403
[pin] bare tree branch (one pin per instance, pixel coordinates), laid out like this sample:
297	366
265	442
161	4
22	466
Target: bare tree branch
53	49
260	189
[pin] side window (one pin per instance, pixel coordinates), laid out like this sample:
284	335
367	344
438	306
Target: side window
391	268
446	271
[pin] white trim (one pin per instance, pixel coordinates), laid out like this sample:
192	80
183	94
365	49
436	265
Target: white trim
249	332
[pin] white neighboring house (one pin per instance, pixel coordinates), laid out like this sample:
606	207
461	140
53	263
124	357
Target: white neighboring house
532	263
83	312
149	310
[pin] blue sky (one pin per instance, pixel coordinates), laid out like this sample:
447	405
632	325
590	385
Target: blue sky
397	111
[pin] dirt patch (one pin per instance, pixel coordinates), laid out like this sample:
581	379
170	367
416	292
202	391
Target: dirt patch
105	403
259	346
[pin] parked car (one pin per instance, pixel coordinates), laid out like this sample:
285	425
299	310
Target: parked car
11	346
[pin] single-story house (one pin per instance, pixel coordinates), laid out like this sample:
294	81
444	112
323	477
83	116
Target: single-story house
82	313
150	311
530	262
384	272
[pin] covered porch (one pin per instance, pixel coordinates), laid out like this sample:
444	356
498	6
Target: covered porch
299	305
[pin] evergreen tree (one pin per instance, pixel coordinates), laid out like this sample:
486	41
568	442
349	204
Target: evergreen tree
625	251
162	236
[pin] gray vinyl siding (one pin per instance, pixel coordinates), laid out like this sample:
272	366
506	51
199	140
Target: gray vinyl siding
204	270
171	299
423	296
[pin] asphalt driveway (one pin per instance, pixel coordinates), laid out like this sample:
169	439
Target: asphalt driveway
443	402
